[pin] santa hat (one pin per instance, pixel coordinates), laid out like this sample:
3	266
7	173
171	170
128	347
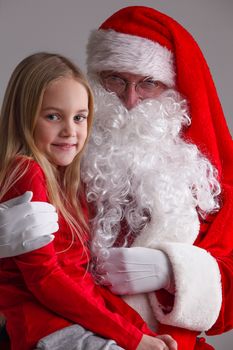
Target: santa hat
115	50
143	41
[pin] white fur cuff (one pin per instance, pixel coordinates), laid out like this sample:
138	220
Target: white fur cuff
198	294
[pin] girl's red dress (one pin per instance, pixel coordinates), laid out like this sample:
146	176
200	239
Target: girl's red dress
51	288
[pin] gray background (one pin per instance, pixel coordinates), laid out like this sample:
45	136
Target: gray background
63	26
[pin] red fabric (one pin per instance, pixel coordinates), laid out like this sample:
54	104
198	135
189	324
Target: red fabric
216	237
218	240
208	131
202	345
50	288
186	339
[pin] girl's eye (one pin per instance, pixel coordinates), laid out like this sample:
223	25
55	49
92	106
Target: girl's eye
80	118
52	117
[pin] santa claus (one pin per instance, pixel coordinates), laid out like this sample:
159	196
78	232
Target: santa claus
159	173
159	176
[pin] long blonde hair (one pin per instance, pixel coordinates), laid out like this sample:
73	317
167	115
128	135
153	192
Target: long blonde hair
21	104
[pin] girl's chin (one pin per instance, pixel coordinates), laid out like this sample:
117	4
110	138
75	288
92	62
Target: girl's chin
62	162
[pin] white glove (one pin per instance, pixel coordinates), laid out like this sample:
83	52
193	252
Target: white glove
25	225
136	270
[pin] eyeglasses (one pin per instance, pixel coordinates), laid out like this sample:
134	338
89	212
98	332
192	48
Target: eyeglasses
145	88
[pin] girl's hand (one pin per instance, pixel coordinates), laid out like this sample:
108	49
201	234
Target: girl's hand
161	342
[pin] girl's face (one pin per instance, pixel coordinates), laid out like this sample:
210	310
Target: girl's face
61	127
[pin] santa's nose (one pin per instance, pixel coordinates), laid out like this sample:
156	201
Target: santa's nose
130	97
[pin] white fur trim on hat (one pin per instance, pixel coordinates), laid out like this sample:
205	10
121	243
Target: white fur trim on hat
110	50
198	295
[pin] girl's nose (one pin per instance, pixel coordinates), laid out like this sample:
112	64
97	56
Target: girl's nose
68	129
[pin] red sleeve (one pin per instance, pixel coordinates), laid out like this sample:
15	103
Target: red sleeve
204	276
79	301
218	241
33	179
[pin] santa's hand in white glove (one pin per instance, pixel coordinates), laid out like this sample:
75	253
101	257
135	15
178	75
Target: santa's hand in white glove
136	270
25	225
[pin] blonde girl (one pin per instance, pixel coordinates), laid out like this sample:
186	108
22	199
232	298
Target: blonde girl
46	120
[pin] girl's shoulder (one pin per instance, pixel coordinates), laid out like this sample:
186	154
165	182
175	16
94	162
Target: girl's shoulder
28	168
30	177
25	161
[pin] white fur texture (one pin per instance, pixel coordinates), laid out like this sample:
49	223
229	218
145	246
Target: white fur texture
198	295
137	165
110	50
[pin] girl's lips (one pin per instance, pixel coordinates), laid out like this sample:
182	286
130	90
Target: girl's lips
65	146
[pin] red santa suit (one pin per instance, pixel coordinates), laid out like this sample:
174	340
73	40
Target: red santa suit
143	41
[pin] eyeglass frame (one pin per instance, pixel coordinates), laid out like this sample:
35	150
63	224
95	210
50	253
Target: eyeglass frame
158	85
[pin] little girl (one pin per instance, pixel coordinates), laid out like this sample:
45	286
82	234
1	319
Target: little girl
45	124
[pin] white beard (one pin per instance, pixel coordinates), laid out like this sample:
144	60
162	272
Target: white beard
137	163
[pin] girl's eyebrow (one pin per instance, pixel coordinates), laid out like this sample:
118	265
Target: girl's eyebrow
49	108
83	110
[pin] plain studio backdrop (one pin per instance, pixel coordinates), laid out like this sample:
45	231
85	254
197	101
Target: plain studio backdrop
63	26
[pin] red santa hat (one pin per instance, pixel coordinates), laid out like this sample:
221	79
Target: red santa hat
113	47
143	41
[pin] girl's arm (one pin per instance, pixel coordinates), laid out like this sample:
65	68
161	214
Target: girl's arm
79	300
